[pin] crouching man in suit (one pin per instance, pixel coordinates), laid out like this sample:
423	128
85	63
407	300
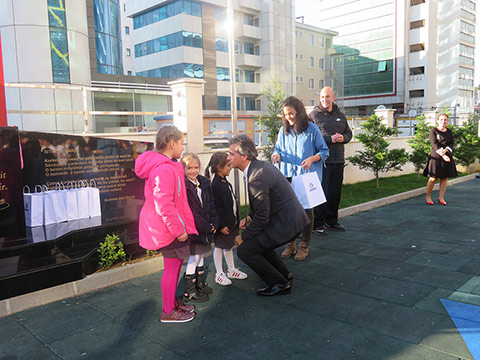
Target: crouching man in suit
276	217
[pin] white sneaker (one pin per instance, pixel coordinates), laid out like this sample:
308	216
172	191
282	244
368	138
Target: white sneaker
221	279
236	274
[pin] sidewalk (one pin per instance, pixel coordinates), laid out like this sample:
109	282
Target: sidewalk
372	292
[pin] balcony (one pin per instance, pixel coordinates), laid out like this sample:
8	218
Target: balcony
416	82
418	58
418	36
250	32
249	61
418	12
246	88
255	5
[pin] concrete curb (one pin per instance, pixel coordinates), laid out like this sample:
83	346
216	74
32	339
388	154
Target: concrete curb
90	283
130	271
396	198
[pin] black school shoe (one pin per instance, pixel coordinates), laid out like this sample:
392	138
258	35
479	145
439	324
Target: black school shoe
336	226
275	290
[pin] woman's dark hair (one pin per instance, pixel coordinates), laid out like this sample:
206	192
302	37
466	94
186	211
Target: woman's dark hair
301	119
217	162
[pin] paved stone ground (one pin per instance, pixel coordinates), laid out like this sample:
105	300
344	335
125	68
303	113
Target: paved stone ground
372	292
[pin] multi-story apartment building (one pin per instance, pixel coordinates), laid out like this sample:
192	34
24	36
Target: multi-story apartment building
416	54
441	48
126	24
185	38
313	61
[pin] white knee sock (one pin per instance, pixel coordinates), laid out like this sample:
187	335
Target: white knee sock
218	260
192	264
228	253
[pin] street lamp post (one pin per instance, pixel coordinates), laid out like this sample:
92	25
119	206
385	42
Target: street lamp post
230	25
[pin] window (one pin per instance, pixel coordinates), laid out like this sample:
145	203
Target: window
170	41
128	52
420	70
175	71
382	66
257	78
249	76
223	74
321	84
416	93
311	40
311	61
321	63
417	47
467	50
129	73
256	50
417	24
321	42
311	84
248	48
59	43
222	44
250	104
311	102
249	19
127	30
165	11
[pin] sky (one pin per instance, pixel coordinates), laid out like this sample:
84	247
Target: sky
307	8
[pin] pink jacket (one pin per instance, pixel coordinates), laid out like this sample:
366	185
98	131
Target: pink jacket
165	214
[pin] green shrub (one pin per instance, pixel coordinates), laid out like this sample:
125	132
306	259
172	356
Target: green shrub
111	250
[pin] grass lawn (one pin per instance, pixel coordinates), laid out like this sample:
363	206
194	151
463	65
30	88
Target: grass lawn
362	192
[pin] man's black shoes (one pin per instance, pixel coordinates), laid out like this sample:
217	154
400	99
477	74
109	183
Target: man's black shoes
320	230
336	226
275	290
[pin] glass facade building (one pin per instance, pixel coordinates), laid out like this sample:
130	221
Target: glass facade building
170	41
165	11
367	41
108	36
58	41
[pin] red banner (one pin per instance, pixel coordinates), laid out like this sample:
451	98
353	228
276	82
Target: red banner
3	104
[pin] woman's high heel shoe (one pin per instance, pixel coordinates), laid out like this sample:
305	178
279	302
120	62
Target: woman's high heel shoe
441	202
429	202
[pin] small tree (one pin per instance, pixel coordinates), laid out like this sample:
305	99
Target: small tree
420	145
377	157
467	142
275	96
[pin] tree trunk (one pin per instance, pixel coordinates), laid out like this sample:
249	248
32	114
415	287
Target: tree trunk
418	174
378	181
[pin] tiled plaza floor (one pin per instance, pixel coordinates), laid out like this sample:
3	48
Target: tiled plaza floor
372	292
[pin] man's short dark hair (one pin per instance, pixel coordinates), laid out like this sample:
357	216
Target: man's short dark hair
244	146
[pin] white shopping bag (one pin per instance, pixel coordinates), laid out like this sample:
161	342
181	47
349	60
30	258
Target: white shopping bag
94	200
308	189
33	206
71	203
48	208
50	231
82	201
58	202
35	234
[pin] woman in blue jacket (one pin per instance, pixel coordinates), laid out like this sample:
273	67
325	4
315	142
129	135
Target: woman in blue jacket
300	147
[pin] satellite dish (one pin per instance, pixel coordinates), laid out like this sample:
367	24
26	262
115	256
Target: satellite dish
412	113
381	107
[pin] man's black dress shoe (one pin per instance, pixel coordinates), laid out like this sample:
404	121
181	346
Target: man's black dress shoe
336	226
320	230
275	290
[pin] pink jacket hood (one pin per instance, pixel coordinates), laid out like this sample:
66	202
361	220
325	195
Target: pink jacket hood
165	214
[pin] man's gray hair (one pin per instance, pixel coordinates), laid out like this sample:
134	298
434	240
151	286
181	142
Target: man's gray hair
244	146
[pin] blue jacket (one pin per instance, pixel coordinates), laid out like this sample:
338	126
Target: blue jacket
293	149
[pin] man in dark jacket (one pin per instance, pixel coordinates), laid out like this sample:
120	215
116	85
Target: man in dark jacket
276	216
336	132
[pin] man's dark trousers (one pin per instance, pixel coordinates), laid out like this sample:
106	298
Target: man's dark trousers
332	180
264	261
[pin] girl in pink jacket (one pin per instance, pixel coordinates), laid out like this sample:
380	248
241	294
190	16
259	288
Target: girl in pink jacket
166	219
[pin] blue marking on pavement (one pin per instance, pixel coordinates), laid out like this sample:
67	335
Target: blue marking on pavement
467	320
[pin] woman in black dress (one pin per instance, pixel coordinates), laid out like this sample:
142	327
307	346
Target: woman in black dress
440	164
